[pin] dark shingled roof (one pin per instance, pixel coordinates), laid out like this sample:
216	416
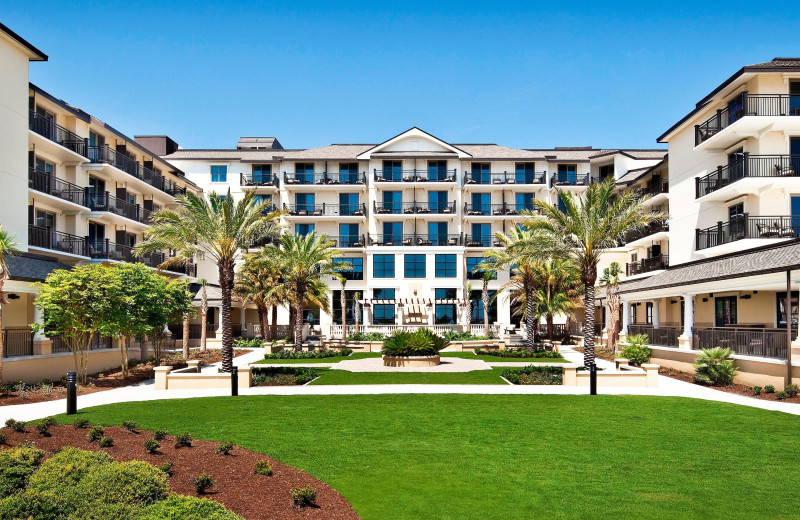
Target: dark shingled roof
773	258
32	269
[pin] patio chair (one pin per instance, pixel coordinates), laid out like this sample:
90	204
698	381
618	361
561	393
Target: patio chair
407	241
452	242
784	170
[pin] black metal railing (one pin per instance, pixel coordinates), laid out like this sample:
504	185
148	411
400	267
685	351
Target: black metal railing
744	105
341	210
570	179
659	336
484	178
497	209
746	226
189	269
481	241
748	166
347	240
747	341
107	202
48	129
324	178
559	330
408	208
107	250
52	185
258	179
415	175
17	342
106	155
195	330
415	239
656	188
48	238
97	343
173	189
651	229
647	265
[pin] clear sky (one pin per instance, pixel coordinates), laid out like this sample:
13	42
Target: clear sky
517	74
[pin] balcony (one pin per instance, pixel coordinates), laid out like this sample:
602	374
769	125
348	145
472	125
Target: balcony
51	185
747	227
656	188
421	175
487	179
749	175
17	342
481	241
652	233
345	241
497	210
48	129
108	203
756	340
415	239
647	265
47	238
324	179
746	108
570	179
328	210
106	155
414	208
106	250
258	180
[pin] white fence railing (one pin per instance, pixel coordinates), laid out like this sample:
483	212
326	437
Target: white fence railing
478	330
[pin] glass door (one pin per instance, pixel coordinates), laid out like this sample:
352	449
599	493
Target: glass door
393	202
725	312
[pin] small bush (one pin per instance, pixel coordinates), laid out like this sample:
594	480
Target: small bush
792	390
44	426
187	508
262	467
313	354
769	389
160	435
637	351
756	390
283	376
131	426
248	343
64	470
714	367
534	375
16	465
106	441
304	496
225	448
151	445
518	353
17	426
80	423
3	438
781	396
166	467
95	433
202	483
183	440
422	342
452	335
366	336
34	504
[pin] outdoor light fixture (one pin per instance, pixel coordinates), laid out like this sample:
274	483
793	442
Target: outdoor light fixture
13	296
746	297
673	302
705	300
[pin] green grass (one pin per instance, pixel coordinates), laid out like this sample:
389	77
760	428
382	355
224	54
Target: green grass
498	359
478	457
335	359
476	377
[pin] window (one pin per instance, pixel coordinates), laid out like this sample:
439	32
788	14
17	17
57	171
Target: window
482	202
524	201
45	219
648	313
348	203
414	266
350	303
481	173
303	229
348	235
445	313
304	202
437	233
348	173
736	221
392	233
393	170
567	173
437	170
795	212
477	307
219	174
131	198
383	266
472	263
725	312
437	201
606	171
737	210
393	201
524	173
482	235
780	305
262	173
794	98
42	179
445	266
304	173
560	204
633	313
311	316
383	313
356	271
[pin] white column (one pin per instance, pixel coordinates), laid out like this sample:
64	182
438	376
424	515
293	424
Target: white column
38	317
626	317
656	318
219	325
685	339
242	321
431	314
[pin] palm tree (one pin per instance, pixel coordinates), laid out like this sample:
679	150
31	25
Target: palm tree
8	247
557	289
203	314
341	268
610	280
218	229
308	259
356	310
252	284
588	226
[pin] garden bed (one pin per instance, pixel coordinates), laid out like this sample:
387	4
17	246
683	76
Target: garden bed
733	388
284	376
255	497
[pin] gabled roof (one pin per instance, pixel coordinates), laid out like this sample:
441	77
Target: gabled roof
34	54
414	132
28	268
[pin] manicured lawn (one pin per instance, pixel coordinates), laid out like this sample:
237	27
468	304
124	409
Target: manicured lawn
335	359
477	457
476	377
498	359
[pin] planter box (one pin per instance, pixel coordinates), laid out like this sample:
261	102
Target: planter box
411	361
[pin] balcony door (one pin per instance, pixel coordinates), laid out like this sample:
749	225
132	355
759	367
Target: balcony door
735	166
780	305
437	233
481	173
794	98
567	173
482	233
795	207
524	201
348	234
725	311
393	233
97	235
437	201
304	202
42	180
437	170
348	203
794	150
393	170
736	221
46	123
482	202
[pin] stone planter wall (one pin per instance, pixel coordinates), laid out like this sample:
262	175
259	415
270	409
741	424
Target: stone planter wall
411	361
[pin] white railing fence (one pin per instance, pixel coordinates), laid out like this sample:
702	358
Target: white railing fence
335	331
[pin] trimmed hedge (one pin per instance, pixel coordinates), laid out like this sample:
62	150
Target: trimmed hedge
16	465
313	354
283	376
518	353
534	375
178	507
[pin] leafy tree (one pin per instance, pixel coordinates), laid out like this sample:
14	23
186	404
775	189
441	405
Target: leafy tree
218	228
8	247
588	226
610	281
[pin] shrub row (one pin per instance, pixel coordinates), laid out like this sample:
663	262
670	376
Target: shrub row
518	353
313	354
534	375
248	343
366	336
422	342
283	376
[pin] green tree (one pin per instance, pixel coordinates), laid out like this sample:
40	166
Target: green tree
610	281
204	314
340	269
219	229
487	272
8	247
588	226
308	260
254	281
557	282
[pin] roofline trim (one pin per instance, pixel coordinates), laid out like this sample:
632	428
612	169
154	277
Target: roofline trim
34	53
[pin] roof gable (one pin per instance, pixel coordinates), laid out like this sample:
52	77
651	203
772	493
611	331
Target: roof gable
414	140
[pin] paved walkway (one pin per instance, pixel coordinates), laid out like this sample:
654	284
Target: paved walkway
146	392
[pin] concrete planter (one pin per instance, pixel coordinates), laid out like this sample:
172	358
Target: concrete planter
411	361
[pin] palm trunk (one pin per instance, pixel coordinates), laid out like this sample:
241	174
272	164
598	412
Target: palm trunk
298	321
226	284
485	297
274	326
266	326
185	336
530	338
589	277
2	345
356	315
549	319
292	313
343	303
262	322
204	315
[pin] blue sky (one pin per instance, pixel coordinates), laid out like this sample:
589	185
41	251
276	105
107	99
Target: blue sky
516	74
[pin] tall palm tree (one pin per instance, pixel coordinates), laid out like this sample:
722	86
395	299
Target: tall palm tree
557	289
203	315
252	284
218	228
8	247
589	225
308	260
610	281
341	268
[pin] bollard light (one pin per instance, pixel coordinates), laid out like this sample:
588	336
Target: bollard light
72	393
593	379
235	381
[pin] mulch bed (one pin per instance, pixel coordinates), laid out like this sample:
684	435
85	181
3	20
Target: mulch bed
111	380
731	389
236	486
